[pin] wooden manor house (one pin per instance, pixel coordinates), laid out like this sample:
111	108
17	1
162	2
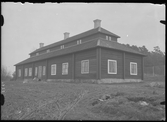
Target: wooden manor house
94	55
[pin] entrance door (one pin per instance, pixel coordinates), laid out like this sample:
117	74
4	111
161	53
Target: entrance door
40	72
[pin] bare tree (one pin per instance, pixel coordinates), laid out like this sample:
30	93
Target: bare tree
5	74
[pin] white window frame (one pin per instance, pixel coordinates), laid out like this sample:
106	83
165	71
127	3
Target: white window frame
53	67
36	71
30	72
62	46
83	67
65	68
44	70
79	41
132	63
19	73
106	37
109	67
26	72
109	38
48	51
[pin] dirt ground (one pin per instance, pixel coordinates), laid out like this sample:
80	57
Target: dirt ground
82	101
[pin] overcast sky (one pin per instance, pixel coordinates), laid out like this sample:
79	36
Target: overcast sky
26	25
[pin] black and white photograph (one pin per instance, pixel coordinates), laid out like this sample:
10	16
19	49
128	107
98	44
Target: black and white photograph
83	61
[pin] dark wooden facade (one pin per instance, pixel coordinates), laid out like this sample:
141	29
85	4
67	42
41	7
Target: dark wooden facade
98	66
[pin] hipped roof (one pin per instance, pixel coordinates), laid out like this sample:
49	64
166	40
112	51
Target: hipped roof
98	42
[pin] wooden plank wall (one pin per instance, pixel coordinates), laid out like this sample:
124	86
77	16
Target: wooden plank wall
86	55
133	58
58	61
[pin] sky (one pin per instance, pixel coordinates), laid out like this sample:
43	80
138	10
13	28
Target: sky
26	25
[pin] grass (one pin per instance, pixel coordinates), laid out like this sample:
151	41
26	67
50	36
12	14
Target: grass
154	78
80	101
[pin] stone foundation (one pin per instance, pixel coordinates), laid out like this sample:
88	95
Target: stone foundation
95	81
118	80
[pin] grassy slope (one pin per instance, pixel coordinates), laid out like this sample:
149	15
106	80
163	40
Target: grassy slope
37	100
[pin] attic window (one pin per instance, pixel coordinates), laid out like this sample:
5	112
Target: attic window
79	41
109	38
47	50
62	47
106	37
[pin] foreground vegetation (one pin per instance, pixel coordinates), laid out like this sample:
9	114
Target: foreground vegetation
82	101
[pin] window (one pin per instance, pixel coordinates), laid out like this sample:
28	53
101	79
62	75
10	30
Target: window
26	71
109	38
64	68
112	67
53	69
133	68
39	71
79	41
44	70
19	73
36	71
84	66
106	37
62	47
47	50
30	71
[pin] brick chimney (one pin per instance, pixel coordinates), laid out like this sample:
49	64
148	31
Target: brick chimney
41	45
66	35
97	23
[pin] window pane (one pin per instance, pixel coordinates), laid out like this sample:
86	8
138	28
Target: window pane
65	68
53	69
133	68
30	71
44	68
106	37
25	71
36	71
85	66
112	66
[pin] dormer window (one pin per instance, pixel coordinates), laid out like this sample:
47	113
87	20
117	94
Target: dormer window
47	50
79	41
37	53
62	47
106	37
